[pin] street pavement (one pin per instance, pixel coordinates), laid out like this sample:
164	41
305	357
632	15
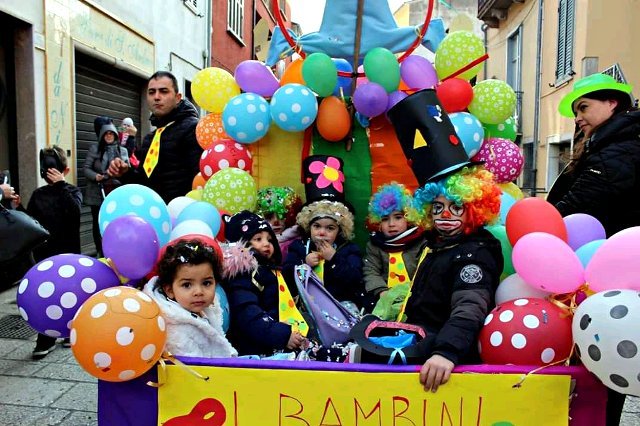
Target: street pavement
57	391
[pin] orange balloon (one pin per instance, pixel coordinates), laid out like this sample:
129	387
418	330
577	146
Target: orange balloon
198	181
118	334
534	215
210	130
334	121
293	73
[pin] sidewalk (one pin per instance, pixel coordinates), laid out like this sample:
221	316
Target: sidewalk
56	391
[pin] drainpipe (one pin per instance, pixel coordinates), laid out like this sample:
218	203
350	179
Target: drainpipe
208	33
536	111
484	29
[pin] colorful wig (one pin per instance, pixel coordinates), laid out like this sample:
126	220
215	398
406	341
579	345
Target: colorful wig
389	198
474	187
281	201
327	209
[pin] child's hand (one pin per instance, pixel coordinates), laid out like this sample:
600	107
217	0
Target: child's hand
326	250
54	175
313	259
15	201
435	372
296	340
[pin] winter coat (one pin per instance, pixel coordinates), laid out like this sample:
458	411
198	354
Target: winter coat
189	334
606	180
252	290
57	208
288	236
179	159
453	292
93	166
342	274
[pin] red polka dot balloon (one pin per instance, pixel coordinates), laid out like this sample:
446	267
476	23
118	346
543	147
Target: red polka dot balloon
526	331
223	154
502	158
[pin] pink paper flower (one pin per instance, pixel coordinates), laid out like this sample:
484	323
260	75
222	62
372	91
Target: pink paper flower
330	173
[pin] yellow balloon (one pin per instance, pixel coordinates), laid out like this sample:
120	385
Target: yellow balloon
458	49
213	87
512	189
195	194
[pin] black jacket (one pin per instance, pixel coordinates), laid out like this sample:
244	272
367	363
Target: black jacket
180	153
57	208
606	180
454	291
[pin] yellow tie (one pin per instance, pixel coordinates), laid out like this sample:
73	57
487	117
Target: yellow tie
288	313
397	271
319	270
151	160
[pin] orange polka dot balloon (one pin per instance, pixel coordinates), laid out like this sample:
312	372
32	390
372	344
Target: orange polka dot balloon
118	334
210	130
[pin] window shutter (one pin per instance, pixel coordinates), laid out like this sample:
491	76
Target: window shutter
566	24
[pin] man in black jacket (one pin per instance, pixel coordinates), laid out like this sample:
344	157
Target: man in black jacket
170	154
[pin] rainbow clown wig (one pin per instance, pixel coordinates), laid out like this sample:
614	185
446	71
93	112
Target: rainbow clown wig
474	187
327	209
389	198
281	201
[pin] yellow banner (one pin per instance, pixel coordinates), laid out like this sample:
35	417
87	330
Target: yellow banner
260	397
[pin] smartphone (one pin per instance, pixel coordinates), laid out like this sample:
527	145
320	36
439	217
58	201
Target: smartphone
6	177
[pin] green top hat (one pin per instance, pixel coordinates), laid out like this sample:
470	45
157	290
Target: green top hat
590	84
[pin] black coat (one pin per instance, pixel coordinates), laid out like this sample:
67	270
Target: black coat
453	292
179	159
606	180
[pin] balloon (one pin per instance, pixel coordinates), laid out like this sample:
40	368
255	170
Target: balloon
210	130
176	205
223	154
586	252
394	98
222	301
293	73
138	200
213	87
381	66
534	215
458	49
132	245
512	189
493	101
502	158
513	287
418	73
211	242
526	331
198	181
548	263
500	233
615	264
220	234
344	83
334	121
255	77
504	130
195	194
370	99
506	202
246	118
361	79
455	94
52	290
469	130
294	107
605	331
131	331
231	189
320	73
583	228
201	211
191	227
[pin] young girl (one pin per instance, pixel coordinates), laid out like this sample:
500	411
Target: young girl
279	205
185	289
263	316
392	251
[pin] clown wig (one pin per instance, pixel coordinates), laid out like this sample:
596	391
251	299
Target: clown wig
474	187
393	197
327	209
281	201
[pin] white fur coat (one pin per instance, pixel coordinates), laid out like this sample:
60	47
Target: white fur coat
188	335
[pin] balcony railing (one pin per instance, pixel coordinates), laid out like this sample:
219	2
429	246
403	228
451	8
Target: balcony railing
494	11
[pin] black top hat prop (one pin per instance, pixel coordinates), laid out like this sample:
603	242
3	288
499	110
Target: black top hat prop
428	139
324	179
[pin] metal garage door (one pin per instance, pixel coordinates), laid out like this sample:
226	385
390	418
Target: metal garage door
101	89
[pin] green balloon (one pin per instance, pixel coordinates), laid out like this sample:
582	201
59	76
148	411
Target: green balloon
493	101
381	66
500	232
320	73
505	130
457	50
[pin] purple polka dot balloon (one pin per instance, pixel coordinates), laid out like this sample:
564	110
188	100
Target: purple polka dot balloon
502	158
52	291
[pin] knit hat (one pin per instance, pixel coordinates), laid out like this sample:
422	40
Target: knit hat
244	225
108	127
127	122
393	197
281	201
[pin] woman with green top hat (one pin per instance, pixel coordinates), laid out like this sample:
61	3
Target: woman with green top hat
602	177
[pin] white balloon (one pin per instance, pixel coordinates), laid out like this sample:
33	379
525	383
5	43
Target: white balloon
607	338
191	226
513	287
178	204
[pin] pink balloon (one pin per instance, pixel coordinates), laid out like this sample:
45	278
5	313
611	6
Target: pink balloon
615	264
255	77
418	73
545	261
363	79
582	229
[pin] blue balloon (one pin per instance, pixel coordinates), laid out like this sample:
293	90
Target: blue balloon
586	252
470	131
140	201
294	107
202	211
245	118
506	202
344	82
223	302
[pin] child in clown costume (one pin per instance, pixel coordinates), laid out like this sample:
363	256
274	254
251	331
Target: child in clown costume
279	205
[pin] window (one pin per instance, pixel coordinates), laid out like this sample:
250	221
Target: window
559	155
235	18
528	174
514	72
566	23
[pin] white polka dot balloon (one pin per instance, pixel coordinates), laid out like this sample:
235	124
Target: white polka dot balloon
141	201
246	118
294	107
525	331
223	154
502	158
469	130
52	290
493	102
607	336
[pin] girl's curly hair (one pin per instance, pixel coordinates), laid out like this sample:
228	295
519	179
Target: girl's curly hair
193	252
389	198
330	209
474	187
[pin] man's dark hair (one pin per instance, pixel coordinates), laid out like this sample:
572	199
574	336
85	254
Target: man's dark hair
160	74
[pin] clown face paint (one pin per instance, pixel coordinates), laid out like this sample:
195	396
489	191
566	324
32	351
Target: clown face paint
448	217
